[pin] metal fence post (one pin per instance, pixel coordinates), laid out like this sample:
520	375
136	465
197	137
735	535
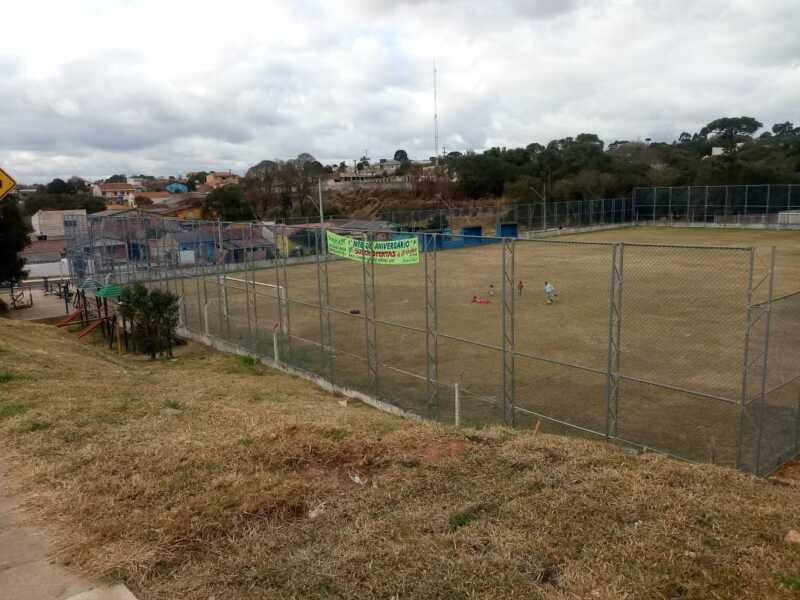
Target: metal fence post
762	397
457	406
746	195
250	331
614	337
727	206
324	312
205	308
368	276
705	207
769	194
183	304
431	326
281	281
655	191
508	330
255	290
744	419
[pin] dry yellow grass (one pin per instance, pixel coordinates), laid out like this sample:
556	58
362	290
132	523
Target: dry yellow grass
206	477
684	314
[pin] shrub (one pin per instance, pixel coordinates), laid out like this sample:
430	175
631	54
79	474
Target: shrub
152	317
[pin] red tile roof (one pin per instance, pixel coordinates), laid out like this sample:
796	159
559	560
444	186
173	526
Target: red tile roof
44	247
117	187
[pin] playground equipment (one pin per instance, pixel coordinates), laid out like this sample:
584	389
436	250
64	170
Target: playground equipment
18	300
92	313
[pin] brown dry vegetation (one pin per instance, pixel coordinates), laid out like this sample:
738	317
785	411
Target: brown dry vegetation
205	476
684	315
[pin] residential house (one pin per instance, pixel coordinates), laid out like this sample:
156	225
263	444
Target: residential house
217	179
115	193
46	258
57	224
147	198
179	206
189	247
241	243
111	212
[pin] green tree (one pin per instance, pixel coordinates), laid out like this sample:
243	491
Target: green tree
731	130
117	179
785	129
401	155
57	186
195	179
227	203
152	317
481	175
44	201
13	239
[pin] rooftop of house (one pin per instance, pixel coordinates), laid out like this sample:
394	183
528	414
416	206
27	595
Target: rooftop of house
68	211
154	196
117	187
53	247
110	212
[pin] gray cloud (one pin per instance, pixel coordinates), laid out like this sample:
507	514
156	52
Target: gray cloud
335	80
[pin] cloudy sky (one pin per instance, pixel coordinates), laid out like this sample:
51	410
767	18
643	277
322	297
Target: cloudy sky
95	87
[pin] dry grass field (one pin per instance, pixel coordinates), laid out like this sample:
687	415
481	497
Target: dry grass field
207	476
683	325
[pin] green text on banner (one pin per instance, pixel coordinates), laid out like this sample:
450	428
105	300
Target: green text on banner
393	252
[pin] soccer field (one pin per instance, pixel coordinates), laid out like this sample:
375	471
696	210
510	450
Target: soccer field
682	333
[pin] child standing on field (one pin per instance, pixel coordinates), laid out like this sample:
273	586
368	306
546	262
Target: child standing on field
550	292
519	288
491	289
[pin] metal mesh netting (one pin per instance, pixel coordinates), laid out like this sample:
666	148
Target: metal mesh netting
735	205
684	311
688	350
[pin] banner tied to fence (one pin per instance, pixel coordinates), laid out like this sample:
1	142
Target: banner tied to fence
390	252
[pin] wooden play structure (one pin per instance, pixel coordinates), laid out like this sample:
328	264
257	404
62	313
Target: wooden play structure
92	313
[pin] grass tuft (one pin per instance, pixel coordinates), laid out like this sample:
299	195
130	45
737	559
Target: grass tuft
11	410
173	404
6	376
248	361
462	519
246	440
37	425
791	582
337	435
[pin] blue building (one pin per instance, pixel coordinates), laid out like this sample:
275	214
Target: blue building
177	188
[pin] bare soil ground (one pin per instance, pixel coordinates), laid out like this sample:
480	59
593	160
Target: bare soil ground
683	325
206	476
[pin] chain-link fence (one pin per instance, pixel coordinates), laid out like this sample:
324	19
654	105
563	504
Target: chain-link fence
769	205
539	216
684	350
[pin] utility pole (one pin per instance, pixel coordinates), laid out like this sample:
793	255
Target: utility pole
435	114
321	212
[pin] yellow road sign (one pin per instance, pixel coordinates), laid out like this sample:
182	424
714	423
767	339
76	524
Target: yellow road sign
6	184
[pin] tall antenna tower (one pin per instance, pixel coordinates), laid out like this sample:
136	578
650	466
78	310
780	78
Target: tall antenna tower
435	114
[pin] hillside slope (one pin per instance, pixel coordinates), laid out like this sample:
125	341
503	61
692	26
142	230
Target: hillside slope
205	476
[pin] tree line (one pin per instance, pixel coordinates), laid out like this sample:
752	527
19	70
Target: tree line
583	167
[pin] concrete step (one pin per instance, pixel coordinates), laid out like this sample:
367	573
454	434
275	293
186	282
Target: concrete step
116	592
